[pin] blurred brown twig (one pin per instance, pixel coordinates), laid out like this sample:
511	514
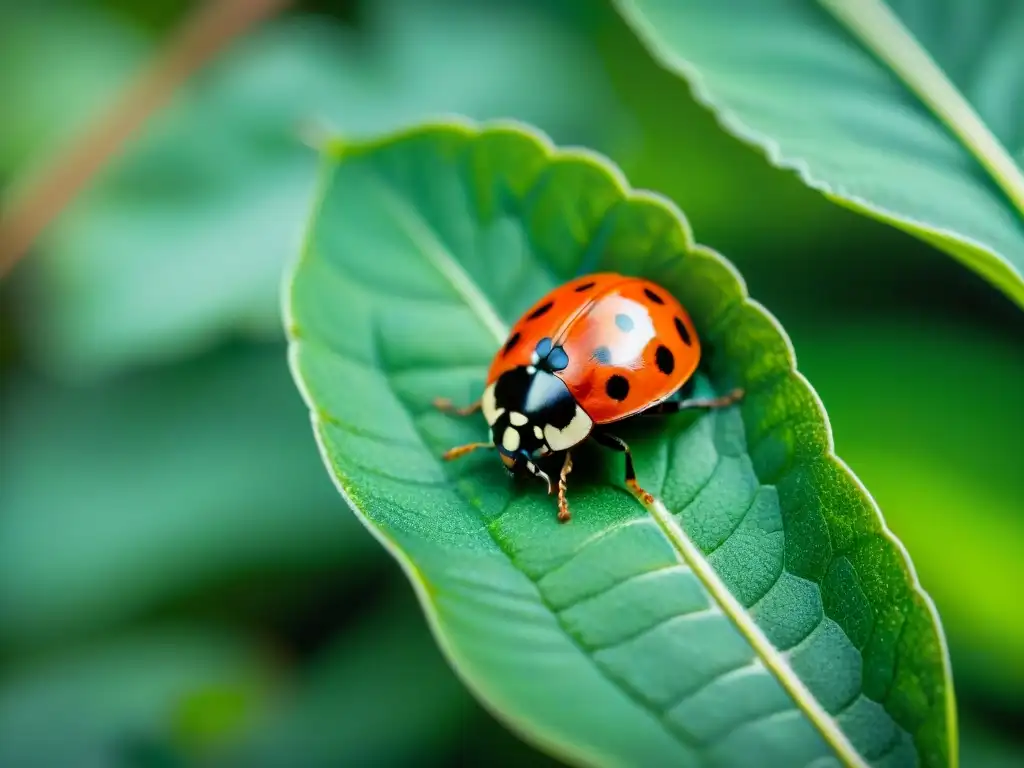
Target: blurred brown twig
211	27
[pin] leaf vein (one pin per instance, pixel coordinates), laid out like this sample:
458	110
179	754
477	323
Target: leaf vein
438	255
702	613
762	647
653	572
586	543
745	668
736	525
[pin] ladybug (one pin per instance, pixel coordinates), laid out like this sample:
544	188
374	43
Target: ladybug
592	352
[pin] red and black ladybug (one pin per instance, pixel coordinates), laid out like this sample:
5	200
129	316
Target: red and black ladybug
592	352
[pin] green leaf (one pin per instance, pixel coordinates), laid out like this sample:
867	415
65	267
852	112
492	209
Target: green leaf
155	488
909	115
760	606
164	692
179	244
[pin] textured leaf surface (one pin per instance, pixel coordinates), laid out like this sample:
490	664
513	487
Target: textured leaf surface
180	242
759	607
792	78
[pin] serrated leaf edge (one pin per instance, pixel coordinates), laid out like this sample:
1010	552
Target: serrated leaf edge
334	151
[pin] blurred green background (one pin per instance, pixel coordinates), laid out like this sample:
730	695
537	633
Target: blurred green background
180	583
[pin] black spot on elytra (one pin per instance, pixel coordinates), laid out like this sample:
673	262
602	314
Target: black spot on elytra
584	287
653	296
625	322
617	387
683	333
541	310
602	355
665	360
513	340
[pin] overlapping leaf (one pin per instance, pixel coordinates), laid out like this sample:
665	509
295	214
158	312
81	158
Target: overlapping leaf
911	114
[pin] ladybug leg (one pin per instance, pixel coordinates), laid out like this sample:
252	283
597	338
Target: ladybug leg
445	405
618	444
692	403
563	503
462	450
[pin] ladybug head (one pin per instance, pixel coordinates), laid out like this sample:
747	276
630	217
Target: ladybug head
533	417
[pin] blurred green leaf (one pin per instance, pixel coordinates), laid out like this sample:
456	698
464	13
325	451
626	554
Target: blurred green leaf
795	80
47	98
622	637
985	747
109	704
939	391
155	487
181	242
380	694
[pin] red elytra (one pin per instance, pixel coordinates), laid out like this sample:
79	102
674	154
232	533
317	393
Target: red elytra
629	342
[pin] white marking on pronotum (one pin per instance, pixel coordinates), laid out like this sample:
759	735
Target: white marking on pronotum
490	406
538	432
510	440
531	369
573	433
517	419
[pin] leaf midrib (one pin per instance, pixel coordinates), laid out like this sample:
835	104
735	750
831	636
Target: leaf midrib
423	237
880	30
690	555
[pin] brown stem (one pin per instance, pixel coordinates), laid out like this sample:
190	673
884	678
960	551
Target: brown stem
209	29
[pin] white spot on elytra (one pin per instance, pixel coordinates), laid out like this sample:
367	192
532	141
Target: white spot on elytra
538	432
517	419
575	432
490	406
510	440
629	345
531	369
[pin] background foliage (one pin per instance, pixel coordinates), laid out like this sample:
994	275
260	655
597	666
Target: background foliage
173	560
902	139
